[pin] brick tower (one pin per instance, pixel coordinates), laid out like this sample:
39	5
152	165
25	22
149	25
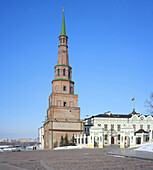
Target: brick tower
63	114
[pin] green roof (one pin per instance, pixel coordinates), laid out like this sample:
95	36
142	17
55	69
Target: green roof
63	80
63	30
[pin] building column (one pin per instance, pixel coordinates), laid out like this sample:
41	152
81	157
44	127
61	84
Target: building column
80	139
77	139
122	140
100	140
91	141
84	138
150	136
142	138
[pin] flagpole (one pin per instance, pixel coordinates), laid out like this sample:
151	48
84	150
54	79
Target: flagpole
134	103
133	100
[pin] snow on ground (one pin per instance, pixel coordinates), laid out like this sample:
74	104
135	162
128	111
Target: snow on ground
145	147
71	147
1	150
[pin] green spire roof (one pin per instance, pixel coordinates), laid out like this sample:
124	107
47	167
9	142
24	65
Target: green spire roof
63	31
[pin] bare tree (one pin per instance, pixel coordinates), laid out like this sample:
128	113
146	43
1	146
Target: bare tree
149	104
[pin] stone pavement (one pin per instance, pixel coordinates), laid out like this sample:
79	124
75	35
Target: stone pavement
78	159
131	153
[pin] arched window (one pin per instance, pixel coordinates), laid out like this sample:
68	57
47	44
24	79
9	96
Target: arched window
64	72
64	88
58	72
64	104
106	137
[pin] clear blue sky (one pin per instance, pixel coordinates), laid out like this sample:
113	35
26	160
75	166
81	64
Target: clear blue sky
110	51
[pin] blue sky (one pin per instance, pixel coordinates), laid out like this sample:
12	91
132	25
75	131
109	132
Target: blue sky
110	52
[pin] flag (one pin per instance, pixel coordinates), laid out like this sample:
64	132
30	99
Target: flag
133	99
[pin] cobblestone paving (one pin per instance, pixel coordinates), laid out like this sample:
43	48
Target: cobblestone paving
91	159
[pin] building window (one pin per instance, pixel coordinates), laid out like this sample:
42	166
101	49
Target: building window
118	127
106	137
119	137
64	88
134	127
71	89
71	104
64	104
58	72
105	127
85	129
148	127
112	126
99	125
64	72
56	88
141	126
58	102
63	40
60	40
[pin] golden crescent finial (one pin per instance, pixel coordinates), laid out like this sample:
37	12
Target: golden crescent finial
63	8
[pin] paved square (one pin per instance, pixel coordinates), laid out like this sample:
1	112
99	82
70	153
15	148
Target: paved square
95	159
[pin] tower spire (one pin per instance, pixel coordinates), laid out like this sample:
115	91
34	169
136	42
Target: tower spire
63	30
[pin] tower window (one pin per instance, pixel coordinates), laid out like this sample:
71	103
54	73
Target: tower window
64	104
60	40
64	88
71	89
64	72
58	72
63	40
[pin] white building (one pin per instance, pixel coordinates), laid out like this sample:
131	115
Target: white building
117	129
41	138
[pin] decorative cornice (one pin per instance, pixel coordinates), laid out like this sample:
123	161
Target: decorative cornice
63	80
62	65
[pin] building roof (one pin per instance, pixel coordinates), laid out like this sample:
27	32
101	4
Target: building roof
63	30
110	115
113	116
141	131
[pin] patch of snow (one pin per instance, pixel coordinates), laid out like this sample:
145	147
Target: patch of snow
7	149
118	156
4	146
71	147
148	147
1	150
